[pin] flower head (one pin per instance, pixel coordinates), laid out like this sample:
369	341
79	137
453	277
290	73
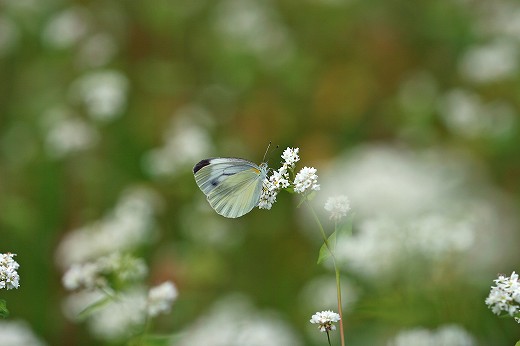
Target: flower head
268	196
505	296
290	157
306	180
325	320
337	206
161	297
281	179
9	277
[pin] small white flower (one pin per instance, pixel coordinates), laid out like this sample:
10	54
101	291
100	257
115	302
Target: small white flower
337	206
325	320
305	180
280	179
268	196
161	297
9	277
290	157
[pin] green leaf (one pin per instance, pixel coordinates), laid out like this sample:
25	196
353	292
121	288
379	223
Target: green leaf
324	250
517	343
3	309
93	307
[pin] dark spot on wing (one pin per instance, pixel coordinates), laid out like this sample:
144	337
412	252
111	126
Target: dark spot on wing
214	182
200	165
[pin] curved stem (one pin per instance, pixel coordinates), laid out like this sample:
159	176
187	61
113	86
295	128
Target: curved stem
336	269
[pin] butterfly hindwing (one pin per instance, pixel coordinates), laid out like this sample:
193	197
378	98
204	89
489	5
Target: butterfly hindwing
237	195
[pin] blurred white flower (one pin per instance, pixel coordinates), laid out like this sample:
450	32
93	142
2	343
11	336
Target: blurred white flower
505	296
447	335
186	141
325	320
104	93
161	297
306	179
9	278
90	275
67	135
337	206
82	275
76	302
18	333
66	28
491	62
256	27
232	321
465	114
431	205
9	35
120	318
129	225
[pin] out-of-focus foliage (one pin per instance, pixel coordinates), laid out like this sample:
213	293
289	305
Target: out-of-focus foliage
410	108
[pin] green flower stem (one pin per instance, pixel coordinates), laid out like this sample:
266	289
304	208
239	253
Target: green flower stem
336	269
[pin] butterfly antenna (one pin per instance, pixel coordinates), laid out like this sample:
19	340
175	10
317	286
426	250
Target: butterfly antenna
267	150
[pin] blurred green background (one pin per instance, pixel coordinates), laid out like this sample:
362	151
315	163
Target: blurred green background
408	107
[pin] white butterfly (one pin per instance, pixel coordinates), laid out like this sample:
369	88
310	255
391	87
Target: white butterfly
233	186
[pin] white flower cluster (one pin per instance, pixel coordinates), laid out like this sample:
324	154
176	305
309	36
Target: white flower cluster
305	180
98	259
9	277
121	315
505	296
325	320
337	206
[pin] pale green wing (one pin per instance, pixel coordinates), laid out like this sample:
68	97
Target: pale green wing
238	194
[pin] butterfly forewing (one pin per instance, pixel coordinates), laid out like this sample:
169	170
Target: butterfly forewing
210	173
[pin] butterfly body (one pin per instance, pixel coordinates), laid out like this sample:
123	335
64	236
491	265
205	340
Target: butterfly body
233	186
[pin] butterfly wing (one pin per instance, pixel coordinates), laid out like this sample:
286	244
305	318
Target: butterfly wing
233	186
